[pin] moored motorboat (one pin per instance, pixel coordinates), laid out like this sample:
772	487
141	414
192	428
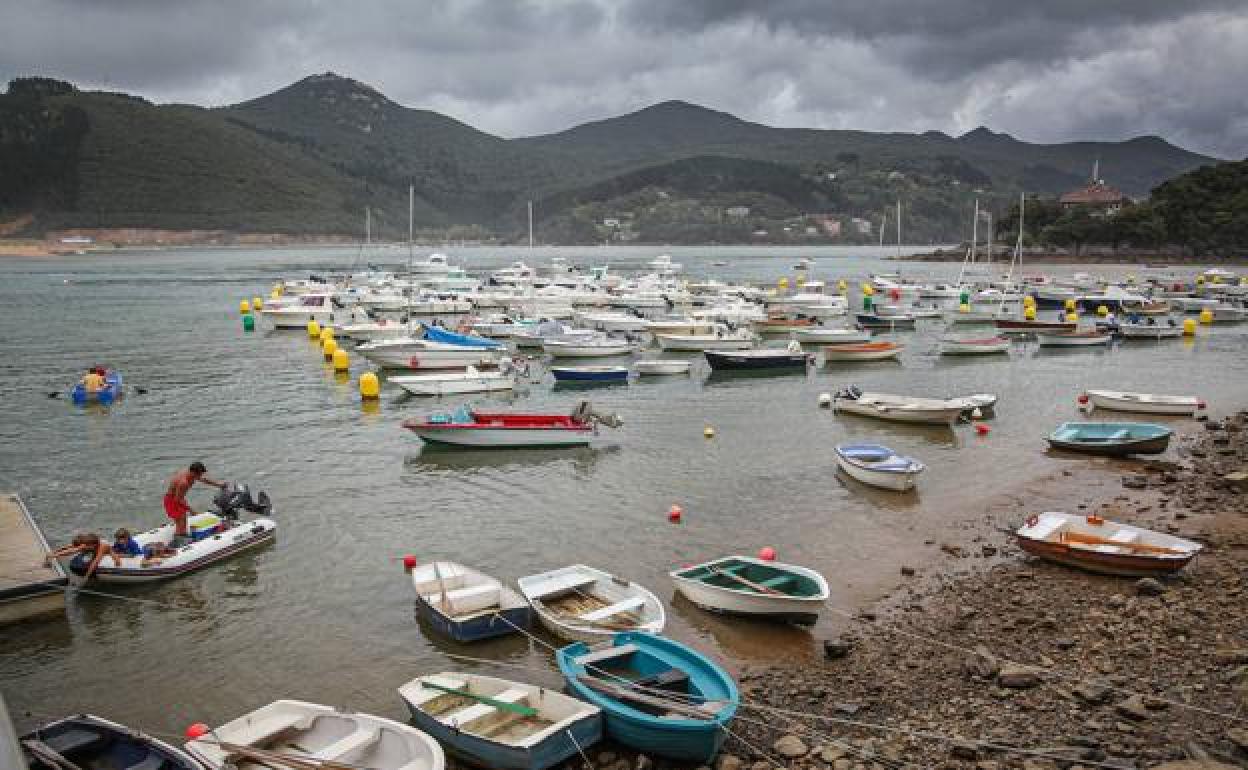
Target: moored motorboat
743	585
588	347
297	314
826	335
590	373
867	351
466	604
466	427
1073	339
413	353
1016	326
580	602
1147	403
972	346
470	380
761	358
880	321
1108	547
656	695
1111	438
1149	331
784	325
697	343
87	741
879	466
659	366
887	406
318	734
498	723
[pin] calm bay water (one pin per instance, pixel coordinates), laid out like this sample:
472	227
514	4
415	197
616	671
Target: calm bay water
327	614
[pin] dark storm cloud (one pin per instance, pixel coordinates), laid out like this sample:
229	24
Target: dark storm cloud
1049	71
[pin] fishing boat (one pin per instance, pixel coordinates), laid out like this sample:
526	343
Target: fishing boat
1111	438
783	325
879	466
295	730
498	723
887	406
877	321
587	604
662	366
1016	326
656	695
1108	547
700	343
466	427
590	373
828	336
86	741
973	346
1147	403
1147	331
214	536
413	353
465	604
743	585
763	358
867	351
1073	339
111	391
588	347
470	380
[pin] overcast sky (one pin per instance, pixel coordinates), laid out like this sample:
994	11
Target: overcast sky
1049	71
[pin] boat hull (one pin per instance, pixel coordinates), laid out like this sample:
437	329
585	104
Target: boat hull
865	353
728	361
1024	327
1123	402
1072	340
896	482
833	336
549	752
1148	446
966	348
190	558
585	351
571	374
662	367
1119	438
1120	565
431	359
486	626
89	741
701	344
935	416
440	386
1097	545
504	438
782	609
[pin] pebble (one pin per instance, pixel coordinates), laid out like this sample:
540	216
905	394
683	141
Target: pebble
790	747
1149	587
1017	677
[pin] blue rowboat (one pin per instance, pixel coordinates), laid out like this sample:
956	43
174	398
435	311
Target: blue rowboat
89	741
590	373
106	395
1112	438
502	724
467	605
658	696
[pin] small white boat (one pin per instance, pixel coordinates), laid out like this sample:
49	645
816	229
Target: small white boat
743	585
588	347
679	326
863	351
664	265
297	315
434	264
662	366
1146	331
1228	313
411	353
470	380
589	605
498	723
612	322
1147	403
373	331
739	340
1108	547
887	406
297	730
1073	339
827	336
879	466
972	346
467	605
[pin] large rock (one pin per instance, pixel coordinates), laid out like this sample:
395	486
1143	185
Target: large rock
1239	737
835	649
790	747
729	762
1194	764
1133	708
1149	587
1017	677
982	664
1092	693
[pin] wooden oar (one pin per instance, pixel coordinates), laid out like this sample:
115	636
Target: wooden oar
625	693
1077	537
515	708
45	753
442	586
277	759
762	589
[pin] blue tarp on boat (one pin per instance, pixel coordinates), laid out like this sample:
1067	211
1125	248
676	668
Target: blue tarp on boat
438	334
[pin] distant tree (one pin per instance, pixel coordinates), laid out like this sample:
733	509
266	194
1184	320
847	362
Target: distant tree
1206	210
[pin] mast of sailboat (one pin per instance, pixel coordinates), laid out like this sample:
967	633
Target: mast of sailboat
883	221
368	226
970	252
530	224
1017	257
899	227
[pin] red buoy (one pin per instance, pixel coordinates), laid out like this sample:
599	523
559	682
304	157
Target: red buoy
1083	398
409	562
767	553
197	730
674	513
982	429
1200	405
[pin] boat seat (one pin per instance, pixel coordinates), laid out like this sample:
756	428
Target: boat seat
1046	527
74	739
776	582
152	761
1119	434
608	653
735	569
560	584
514	695
270	726
365	736
611	610
671	680
462	601
1122	536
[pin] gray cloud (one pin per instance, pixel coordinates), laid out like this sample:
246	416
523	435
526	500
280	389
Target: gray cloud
1052	71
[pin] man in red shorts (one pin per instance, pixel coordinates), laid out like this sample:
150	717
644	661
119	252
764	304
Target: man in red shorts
175	496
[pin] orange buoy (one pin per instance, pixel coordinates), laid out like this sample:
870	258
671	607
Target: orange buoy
767	553
674	513
982	429
197	730
409	562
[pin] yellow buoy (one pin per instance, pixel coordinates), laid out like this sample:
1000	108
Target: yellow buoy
274	294
327	333
244	307
314	329
1029	313
279	289
1131	278
1071	306
1189	327
964	308
709	432
868	289
783	283
843	287
1200	280
1243	281
1072	318
1102	311
329	347
256	304
1029	300
342	361
1216	279
370	386
1206	316
799	280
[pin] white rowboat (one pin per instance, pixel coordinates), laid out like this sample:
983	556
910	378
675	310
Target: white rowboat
658	366
879	466
743	585
1147	403
589	605
826	336
887	406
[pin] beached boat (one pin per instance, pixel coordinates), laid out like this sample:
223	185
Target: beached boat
656	695
1073	339
1016	326
111	391
1147	331
589	347
466	427
87	742
322	734
743	585
1108	547
662	366
590	373
887	406
973	346
867	351
498	723
880	321
1147	403
584	603
470	380
879	466
699	343
762	358
1111	438
824	335
214	536
465	604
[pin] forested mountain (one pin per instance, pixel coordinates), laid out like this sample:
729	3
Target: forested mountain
308	158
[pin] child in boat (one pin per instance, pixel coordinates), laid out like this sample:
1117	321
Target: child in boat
83	542
125	545
93	381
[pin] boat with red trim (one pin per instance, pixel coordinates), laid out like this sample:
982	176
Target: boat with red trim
468	427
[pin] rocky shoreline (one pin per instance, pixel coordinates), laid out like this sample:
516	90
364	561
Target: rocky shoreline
1030	665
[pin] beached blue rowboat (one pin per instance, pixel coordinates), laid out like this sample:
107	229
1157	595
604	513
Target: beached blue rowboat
590	373
88	741
1112	438
466	604
629	678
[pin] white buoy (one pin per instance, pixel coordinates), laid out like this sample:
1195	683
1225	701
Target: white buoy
825	399
976	413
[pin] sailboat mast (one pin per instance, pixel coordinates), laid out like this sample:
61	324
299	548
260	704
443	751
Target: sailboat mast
883	221
368	226
975	232
411	218
899	227
530	224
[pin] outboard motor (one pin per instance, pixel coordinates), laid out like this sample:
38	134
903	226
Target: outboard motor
234	498
851	393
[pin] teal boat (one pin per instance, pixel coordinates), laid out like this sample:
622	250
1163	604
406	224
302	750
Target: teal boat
658	696
1112	438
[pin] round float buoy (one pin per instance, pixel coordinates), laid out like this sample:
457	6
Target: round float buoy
244	307
825	399
274	294
1130	277
1071	306
842	286
894	294
708	432
370	386
257	304
1102	311
674	513
342	360
964	308
314	329
327	333
329	348
1083	398
982	429
1029	313
1206	316
1029	300
1072	318
197	730
409	562
783	283
1189	327
249	323
767	553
